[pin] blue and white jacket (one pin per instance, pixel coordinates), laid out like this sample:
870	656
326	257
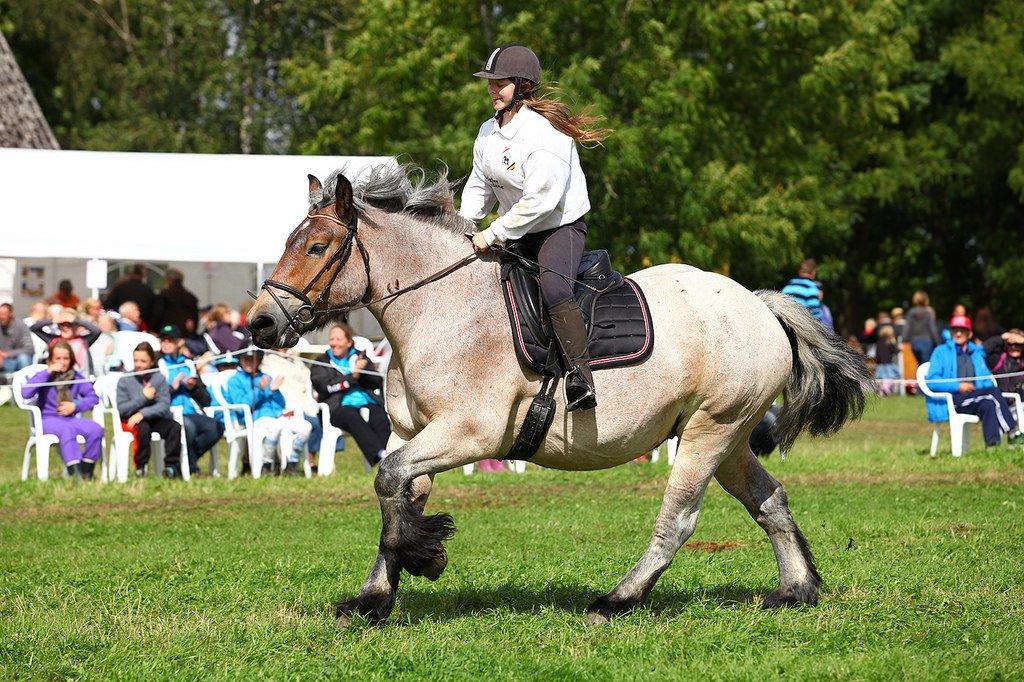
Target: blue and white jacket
244	389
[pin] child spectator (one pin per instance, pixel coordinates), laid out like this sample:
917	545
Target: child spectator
1003	356
187	391
146	401
69	330
60	406
250	386
886	368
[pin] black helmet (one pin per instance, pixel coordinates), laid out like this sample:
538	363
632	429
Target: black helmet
511	61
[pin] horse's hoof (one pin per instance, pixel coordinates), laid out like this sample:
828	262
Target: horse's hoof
373	611
791	597
595	618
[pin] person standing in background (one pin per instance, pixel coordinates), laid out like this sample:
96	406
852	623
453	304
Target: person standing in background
175	305
805	289
133	288
921	331
65	295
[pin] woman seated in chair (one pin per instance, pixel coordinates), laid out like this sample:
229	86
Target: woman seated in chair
344	388
60	407
252	387
144	402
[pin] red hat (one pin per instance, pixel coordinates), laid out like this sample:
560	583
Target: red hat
961	321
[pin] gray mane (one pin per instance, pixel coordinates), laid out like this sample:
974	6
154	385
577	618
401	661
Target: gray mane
401	188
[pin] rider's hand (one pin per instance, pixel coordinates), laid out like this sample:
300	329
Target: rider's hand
479	243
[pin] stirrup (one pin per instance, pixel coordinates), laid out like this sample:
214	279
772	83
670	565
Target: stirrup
587	400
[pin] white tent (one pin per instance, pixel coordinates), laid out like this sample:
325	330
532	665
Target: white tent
161	207
211	216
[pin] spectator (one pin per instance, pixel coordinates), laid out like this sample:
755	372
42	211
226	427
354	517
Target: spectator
1003	356
187	391
38	313
90	309
804	289
60	406
985	325
295	388
899	323
146	401
175	305
250	386
195	345
886	368
340	383
953	364
131	318
921	330
133	288
65	296
16	349
221	331
69	329
103	357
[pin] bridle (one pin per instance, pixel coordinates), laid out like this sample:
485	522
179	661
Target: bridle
307	312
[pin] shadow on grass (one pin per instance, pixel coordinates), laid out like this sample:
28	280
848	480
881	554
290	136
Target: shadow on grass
417	604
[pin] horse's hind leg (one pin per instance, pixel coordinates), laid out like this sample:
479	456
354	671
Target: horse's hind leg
746	479
703	443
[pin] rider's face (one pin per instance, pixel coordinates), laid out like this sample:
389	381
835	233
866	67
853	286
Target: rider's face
501	91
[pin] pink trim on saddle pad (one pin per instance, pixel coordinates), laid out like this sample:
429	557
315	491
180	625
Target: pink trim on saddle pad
647	331
519	327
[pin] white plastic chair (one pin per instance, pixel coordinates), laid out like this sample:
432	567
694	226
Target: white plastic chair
42	442
237	431
121	448
125	343
671	445
957	422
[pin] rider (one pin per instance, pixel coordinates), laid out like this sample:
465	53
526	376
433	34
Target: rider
525	159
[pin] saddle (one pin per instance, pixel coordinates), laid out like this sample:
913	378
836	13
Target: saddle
614	309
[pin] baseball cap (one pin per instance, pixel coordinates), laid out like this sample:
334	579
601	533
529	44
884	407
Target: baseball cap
169	331
962	322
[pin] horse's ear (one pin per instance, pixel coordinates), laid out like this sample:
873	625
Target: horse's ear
343	206
316	190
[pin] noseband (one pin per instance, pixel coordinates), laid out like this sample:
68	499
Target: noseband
307	312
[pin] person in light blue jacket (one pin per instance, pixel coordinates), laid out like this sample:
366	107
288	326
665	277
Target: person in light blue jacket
958	367
270	415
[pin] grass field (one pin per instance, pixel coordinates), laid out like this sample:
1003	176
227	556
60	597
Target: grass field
922	559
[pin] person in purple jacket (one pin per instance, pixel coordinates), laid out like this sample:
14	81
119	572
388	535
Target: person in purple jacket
60	405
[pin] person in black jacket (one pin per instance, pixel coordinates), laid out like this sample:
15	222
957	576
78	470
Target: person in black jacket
347	390
133	288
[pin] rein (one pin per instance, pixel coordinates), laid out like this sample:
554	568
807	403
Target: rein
307	312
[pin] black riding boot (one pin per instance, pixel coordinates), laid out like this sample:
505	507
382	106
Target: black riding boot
567	324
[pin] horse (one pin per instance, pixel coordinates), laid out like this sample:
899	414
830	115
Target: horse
456	392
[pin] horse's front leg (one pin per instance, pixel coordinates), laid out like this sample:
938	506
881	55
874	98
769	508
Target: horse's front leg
410	540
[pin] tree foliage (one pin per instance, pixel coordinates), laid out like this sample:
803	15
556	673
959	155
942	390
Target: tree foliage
882	137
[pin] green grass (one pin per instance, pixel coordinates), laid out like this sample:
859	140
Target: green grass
923	563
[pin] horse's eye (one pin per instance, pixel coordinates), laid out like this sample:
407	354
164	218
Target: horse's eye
317	249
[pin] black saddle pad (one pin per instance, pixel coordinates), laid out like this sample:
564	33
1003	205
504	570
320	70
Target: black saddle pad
614	308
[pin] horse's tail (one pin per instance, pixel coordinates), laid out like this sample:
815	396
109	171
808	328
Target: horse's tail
829	379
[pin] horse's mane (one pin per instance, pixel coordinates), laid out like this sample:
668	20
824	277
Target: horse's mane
402	188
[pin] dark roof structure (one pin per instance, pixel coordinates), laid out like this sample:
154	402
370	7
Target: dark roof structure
21	120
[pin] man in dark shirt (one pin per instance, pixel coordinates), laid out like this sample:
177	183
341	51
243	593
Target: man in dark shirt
16	347
133	288
175	305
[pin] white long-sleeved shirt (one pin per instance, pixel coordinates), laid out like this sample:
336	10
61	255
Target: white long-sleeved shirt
532	170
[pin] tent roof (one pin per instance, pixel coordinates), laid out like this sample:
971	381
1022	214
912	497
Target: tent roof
156	207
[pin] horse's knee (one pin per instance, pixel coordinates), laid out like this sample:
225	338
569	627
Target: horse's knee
773	513
390	476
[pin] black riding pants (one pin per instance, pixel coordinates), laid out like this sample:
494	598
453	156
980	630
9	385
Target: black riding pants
559	252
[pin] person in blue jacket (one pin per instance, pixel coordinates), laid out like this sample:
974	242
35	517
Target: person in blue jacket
201	431
270	416
958	367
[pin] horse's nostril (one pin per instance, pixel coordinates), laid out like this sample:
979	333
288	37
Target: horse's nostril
261	323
